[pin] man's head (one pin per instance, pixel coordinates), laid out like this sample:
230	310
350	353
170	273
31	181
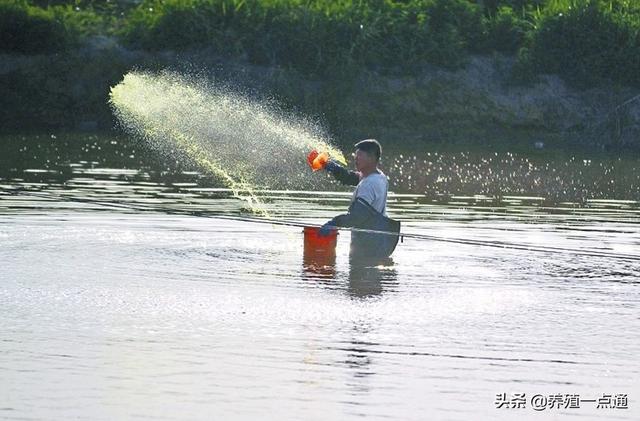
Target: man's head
367	155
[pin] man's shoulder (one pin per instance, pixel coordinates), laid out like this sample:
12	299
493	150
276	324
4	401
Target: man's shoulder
375	183
375	178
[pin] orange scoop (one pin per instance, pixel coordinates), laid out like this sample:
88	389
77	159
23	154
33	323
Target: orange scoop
317	161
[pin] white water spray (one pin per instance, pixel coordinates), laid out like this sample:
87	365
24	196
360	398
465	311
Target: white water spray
247	144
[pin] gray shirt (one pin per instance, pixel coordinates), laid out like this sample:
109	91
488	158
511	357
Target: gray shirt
373	190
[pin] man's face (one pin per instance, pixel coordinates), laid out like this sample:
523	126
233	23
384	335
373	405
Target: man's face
364	160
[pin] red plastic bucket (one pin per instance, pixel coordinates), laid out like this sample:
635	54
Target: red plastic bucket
313	240
319	252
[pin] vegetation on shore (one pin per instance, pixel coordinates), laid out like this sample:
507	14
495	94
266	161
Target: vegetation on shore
587	42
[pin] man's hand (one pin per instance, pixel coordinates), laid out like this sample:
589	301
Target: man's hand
331	166
327	228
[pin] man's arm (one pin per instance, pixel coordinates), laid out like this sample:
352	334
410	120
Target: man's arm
343	175
359	213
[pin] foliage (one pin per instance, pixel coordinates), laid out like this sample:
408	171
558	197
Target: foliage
314	35
26	28
588	42
29	29
506	30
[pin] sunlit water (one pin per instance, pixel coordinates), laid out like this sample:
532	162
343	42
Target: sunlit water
119	304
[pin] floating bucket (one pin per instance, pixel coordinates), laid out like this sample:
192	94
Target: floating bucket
319	252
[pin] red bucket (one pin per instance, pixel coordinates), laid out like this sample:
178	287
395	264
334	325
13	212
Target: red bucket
313	240
319	256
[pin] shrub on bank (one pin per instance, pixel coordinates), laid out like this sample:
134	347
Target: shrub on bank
27	28
506	30
585	41
315	35
588	42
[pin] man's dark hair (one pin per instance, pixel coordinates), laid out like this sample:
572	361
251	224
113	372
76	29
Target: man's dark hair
370	146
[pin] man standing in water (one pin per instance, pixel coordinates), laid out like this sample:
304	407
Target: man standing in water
368	205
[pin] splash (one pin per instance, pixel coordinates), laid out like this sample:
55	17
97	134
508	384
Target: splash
248	144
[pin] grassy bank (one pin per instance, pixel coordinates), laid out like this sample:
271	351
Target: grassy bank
361	68
587	42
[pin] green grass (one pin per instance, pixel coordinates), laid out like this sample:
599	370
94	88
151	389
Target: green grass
587	42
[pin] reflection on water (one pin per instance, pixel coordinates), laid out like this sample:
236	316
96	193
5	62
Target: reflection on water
366	277
369	278
113	287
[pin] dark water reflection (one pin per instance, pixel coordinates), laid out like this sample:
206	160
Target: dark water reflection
366	278
369	278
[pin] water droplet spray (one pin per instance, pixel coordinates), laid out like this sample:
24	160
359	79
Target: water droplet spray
248	144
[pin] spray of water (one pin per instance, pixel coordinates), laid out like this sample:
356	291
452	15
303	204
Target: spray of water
248	144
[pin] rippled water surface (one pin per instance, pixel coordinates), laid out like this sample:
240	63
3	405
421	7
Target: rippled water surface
130	291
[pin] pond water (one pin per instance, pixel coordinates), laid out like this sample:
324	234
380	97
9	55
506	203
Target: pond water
131	288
